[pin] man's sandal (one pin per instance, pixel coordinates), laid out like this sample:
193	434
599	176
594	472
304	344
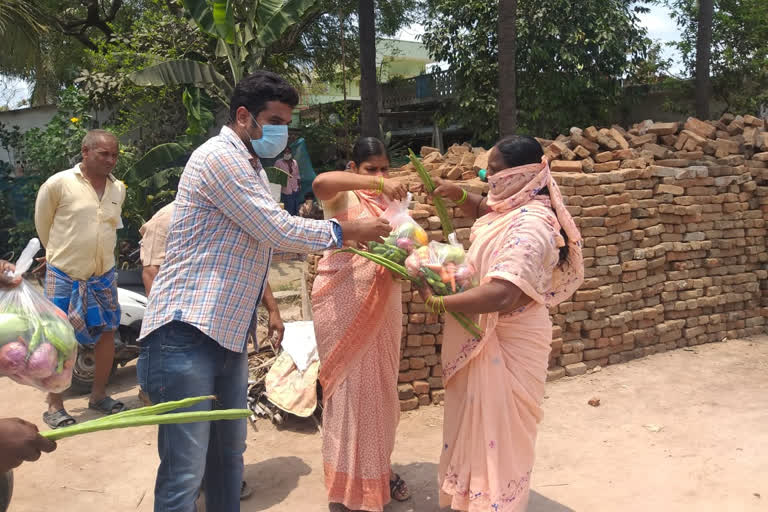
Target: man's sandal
108	405
58	419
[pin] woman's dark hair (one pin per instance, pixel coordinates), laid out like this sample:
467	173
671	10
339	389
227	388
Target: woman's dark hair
517	150
366	147
309	196
563	249
340	165
255	90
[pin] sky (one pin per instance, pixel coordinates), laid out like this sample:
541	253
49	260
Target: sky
13	91
658	22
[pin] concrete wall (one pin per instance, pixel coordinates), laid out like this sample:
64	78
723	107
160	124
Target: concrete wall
25	119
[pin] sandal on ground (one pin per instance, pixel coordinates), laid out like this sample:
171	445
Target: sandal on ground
60	418
398	489
108	405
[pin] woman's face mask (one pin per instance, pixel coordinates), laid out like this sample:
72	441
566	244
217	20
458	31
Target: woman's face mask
274	138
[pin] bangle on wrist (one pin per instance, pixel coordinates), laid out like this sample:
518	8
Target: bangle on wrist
464	196
378	189
436	304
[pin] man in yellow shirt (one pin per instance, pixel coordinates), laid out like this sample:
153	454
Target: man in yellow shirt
77	215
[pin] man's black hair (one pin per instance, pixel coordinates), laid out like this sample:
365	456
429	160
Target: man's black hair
255	90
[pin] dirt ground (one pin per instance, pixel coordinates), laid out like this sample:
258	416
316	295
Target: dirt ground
679	431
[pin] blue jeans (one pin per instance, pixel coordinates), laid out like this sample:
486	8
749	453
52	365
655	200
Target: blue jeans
178	361
291	202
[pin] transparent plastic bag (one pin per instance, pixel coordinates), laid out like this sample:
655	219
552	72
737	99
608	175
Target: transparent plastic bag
406	233
37	343
443	266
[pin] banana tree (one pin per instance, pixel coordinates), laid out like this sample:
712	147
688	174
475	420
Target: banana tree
244	31
151	179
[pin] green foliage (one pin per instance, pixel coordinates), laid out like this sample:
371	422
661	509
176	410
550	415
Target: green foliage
46	151
739	65
276	176
50	53
321	140
10	140
155	113
56	147
330	136
151	178
242	31
23	14
570	59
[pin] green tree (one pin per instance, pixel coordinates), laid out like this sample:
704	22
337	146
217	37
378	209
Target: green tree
570	57
739	60
22	14
51	55
333	35
243	33
156	35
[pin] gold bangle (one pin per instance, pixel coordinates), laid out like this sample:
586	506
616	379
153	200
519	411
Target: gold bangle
436	304
432	304
379	188
463	199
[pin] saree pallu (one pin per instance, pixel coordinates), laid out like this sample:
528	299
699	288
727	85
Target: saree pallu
357	307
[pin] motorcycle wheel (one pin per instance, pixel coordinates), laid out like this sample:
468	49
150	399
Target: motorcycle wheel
83	370
6	490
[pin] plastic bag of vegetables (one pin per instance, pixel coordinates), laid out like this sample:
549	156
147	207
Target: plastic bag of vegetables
37	343
443	266
406	233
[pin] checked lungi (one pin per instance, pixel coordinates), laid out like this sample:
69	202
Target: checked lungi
91	306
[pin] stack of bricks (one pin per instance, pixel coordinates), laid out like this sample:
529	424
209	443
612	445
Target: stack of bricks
673	218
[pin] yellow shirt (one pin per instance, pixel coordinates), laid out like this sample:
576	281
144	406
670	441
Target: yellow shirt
79	231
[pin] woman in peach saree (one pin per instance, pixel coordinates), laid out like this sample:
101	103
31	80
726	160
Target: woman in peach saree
526	251
357	310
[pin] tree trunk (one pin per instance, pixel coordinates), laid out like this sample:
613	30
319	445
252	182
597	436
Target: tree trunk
369	98
703	58
507	67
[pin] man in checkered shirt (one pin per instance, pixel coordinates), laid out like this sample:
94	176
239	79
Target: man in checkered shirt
203	301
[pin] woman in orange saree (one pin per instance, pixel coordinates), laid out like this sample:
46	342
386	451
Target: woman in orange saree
526	250
357	310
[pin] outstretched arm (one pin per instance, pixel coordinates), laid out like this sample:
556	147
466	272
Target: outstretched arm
328	185
474	206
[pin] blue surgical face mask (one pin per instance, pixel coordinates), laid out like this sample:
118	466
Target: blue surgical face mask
274	138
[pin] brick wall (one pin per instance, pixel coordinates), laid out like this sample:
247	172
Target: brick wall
674	224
